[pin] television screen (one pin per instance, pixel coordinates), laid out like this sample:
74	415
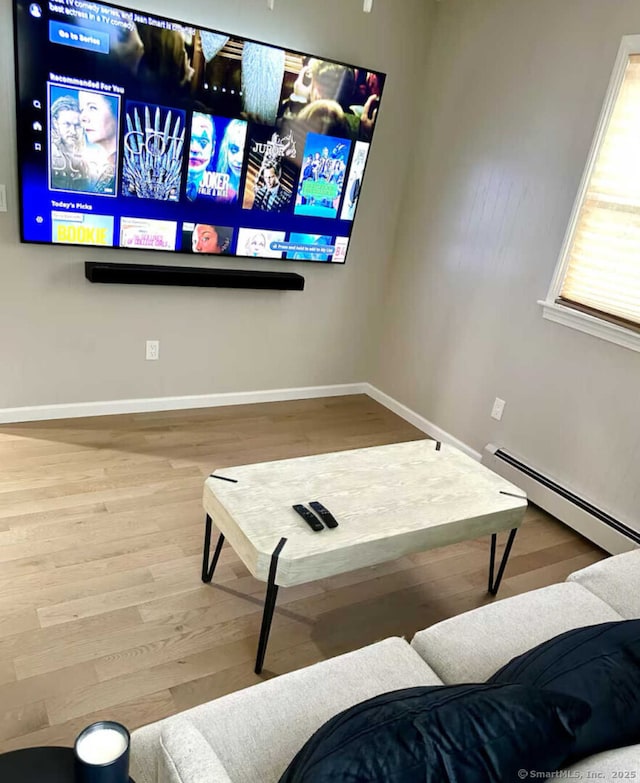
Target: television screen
140	132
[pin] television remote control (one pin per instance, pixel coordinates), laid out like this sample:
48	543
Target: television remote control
311	520
325	515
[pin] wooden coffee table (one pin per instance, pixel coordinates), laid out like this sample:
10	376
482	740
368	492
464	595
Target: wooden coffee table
389	501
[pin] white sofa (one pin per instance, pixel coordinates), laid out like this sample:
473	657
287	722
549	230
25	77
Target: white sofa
251	736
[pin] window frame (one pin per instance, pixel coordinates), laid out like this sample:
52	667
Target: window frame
592	324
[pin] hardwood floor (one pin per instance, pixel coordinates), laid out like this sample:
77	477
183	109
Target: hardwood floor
102	611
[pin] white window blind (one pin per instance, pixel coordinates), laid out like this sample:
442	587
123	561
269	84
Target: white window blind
603	257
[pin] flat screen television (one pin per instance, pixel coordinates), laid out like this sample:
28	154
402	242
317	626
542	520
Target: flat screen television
140	132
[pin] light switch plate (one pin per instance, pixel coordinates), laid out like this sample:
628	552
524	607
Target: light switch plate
3	198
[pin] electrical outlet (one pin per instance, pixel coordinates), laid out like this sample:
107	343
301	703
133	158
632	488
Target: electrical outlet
498	409
153	350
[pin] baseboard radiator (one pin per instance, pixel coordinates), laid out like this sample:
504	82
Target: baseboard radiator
578	513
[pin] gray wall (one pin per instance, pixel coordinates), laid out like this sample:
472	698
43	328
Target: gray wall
514	92
509	102
63	340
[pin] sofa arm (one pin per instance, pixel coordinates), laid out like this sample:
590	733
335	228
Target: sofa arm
186	756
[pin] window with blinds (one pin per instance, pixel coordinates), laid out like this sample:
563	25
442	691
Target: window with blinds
602	258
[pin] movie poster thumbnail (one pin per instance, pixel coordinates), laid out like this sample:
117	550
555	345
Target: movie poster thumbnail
81	228
340	253
352	191
322	176
257	242
147	234
83	140
310	247
207	239
271	170
153	146
216	154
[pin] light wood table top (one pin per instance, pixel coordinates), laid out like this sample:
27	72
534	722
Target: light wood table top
389	501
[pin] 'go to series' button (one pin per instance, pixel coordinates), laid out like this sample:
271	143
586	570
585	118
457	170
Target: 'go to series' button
79	37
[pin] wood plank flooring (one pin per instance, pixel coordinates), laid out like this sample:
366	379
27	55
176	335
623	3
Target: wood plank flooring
102	611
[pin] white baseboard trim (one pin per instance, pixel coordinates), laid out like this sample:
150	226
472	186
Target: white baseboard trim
418	421
153	404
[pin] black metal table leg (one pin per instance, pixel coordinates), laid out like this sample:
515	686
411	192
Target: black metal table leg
207	570
495	585
269	606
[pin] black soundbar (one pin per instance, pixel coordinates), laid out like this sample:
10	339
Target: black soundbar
145	274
